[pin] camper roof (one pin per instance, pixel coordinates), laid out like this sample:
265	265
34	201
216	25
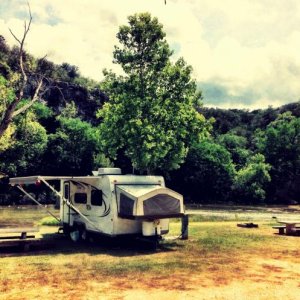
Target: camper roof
120	179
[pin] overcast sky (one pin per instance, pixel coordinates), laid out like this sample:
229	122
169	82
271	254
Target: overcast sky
245	54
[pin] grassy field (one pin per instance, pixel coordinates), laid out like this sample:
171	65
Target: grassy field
219	261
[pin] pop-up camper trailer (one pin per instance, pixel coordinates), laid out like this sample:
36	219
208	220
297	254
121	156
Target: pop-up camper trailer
112	204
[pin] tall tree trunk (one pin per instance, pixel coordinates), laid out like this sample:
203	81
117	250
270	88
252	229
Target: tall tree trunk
11	111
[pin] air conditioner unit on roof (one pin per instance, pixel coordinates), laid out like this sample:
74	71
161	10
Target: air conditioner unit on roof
109	171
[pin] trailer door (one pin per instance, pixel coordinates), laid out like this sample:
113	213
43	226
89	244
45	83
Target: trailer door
64	207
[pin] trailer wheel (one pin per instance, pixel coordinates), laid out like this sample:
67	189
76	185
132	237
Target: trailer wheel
78	233
84	234
75	235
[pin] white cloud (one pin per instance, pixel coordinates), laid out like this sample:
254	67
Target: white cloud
245	45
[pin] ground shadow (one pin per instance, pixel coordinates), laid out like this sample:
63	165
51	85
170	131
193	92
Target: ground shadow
54	244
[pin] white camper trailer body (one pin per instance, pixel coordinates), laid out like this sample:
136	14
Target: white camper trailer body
113	204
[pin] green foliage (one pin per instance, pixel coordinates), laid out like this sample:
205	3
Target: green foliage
237	146
49	221
70	111
280	143
24	156
74	148
66	72
244	122
208	172
101	160
42	111
45	67
251	180
86	82
7	139
6	97
144	48
151	114
7	93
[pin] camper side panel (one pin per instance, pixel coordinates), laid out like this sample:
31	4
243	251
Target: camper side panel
92	199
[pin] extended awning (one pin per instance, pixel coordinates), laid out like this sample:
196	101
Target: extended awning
19	182
148	202
34	179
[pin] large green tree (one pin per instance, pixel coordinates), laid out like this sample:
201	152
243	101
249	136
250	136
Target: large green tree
151	115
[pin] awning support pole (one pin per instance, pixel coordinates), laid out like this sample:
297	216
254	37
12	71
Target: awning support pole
67	202
37	202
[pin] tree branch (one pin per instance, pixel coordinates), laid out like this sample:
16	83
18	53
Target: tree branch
11	111
33	99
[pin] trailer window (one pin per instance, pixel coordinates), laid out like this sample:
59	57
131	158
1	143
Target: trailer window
67	191
96	197
80	198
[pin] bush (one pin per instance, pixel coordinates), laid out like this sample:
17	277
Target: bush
49	221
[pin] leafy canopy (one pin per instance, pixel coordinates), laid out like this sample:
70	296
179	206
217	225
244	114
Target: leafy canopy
237	146
151	114
280	143
73	147
208	171
250	181
25	154
6	97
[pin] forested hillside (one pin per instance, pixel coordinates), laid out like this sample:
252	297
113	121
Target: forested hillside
235	156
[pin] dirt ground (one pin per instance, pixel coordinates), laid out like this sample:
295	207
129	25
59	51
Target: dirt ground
268	279
264	275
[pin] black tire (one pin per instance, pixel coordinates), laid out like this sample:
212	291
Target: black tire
78	233
84	235
75	233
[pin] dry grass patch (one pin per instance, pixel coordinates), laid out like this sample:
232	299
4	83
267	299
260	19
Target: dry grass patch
219	261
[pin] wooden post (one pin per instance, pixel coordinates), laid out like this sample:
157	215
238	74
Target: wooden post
23	235
185	227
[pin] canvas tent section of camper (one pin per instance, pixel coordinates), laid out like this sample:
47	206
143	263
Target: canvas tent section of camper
148	201
112	204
